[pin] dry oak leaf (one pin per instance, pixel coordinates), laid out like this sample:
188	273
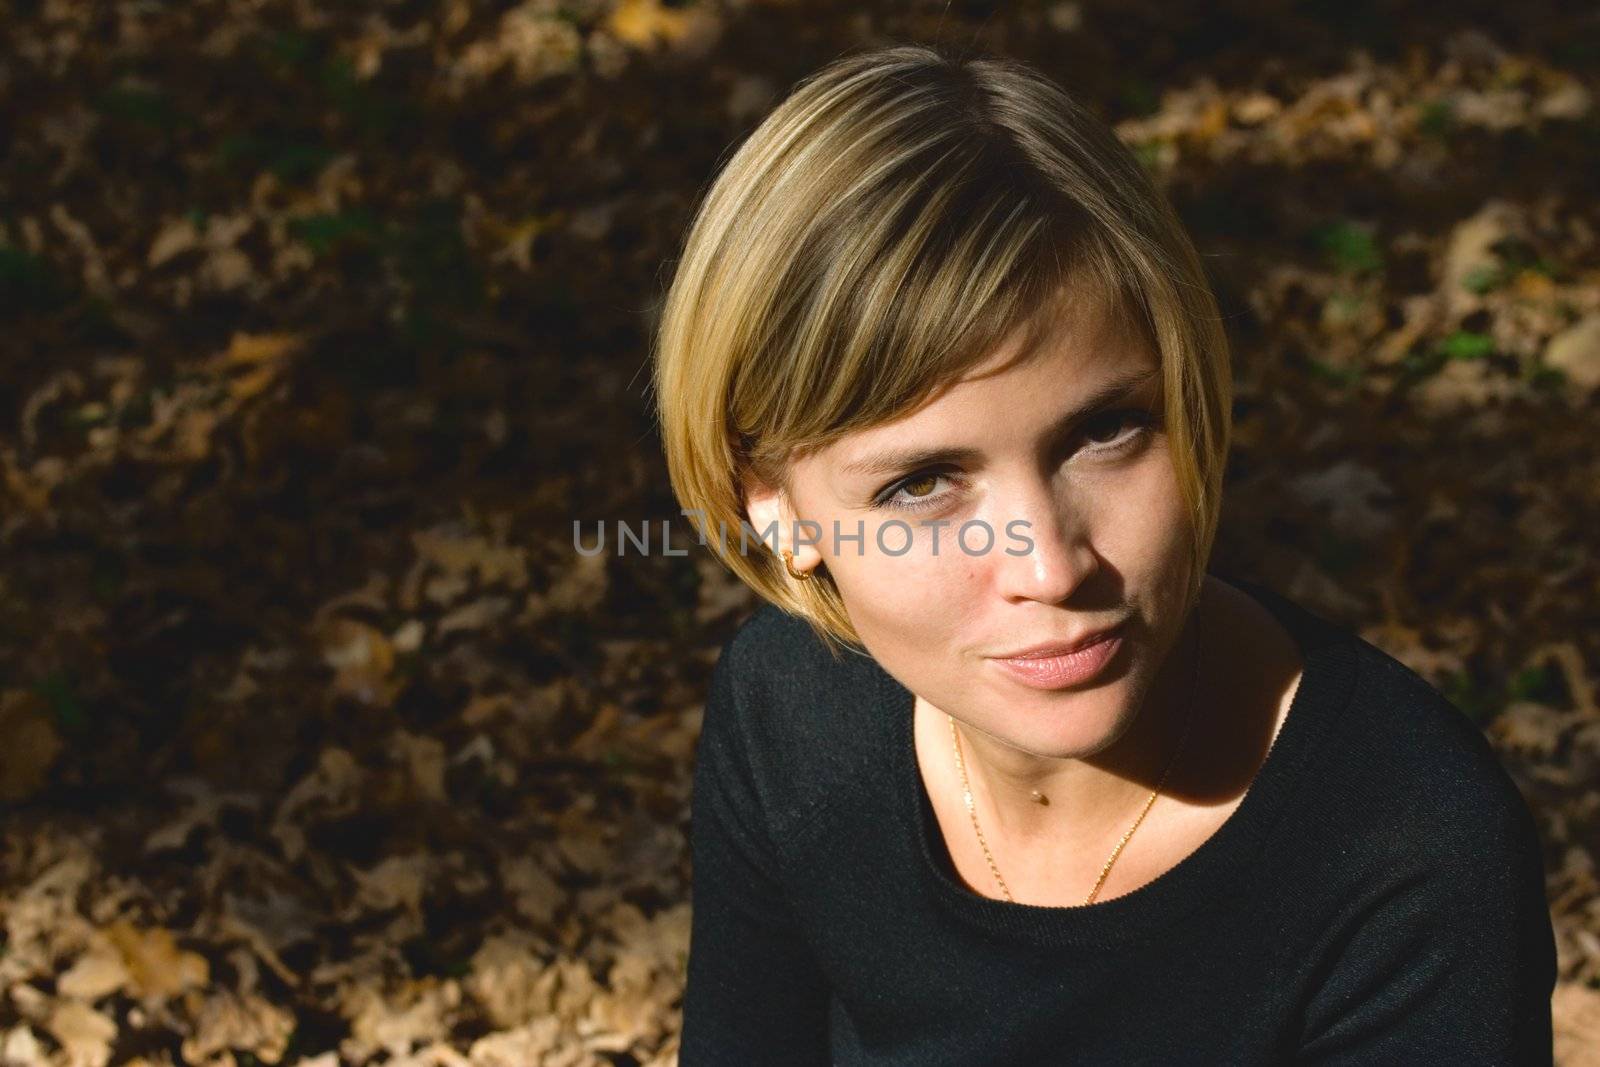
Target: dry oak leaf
535	45
157	967
19	1045
1471	249
362	658
508	979
1576	1011
85	1035
419	1012
95	974
31	747
398	881
332	789
580	586
648	24
258	360
425	759
536	894
538	1042
1532	728
227	1020
1575	352
465	554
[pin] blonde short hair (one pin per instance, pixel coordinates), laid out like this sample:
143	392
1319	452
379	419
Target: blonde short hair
885	229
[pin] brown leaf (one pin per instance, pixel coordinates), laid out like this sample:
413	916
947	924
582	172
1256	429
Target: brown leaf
31	744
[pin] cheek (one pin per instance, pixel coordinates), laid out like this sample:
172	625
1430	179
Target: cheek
1146	499
912	598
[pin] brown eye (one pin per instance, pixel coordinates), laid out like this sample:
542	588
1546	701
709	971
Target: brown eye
919	491
1106	429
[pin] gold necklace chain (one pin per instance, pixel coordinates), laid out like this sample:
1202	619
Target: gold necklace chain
966	789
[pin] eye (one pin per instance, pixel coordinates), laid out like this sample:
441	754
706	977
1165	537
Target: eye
1112	430
929	480
913	493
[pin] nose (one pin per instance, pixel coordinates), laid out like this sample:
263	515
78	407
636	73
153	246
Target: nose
1061	556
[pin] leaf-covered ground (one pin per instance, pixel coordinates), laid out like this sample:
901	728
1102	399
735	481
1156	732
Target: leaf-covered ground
322	322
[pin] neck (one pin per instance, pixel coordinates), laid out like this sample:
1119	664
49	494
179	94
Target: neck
1088	796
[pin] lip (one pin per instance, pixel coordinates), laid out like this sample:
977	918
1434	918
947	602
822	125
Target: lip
1047	667
1062	648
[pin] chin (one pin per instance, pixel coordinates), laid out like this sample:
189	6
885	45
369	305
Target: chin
1078	725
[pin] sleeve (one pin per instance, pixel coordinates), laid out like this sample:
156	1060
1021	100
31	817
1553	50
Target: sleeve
1453	963
753	992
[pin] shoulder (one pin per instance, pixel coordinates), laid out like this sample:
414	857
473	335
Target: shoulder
1418	773
1409	833
775	665
1449	754
766	636
1428	925
1428	902
1401	770
801	722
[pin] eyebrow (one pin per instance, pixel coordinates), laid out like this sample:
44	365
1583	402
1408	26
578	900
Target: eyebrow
890	461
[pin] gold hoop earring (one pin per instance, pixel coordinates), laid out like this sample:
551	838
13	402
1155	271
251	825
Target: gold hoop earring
788	565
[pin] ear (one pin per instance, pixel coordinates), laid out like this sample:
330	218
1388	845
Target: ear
765	505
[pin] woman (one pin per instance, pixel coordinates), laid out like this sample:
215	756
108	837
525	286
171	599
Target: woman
1000	774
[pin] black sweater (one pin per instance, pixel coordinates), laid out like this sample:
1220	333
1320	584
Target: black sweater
1377	896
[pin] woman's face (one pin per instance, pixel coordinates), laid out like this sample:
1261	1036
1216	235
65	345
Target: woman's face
1094	491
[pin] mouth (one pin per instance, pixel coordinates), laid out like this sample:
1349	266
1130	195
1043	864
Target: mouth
1062	665
1053	649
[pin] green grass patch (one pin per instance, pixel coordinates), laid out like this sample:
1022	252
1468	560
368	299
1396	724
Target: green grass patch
1466	345
1547	379
1348	248
1139	98
141	105
1539	684
58	692
325	233
1336	553
1342	377
1479	703
292	158
29	282
1148	153
1485	278
1437	119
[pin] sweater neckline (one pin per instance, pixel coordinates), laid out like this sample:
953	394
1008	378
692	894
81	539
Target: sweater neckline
1210	875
